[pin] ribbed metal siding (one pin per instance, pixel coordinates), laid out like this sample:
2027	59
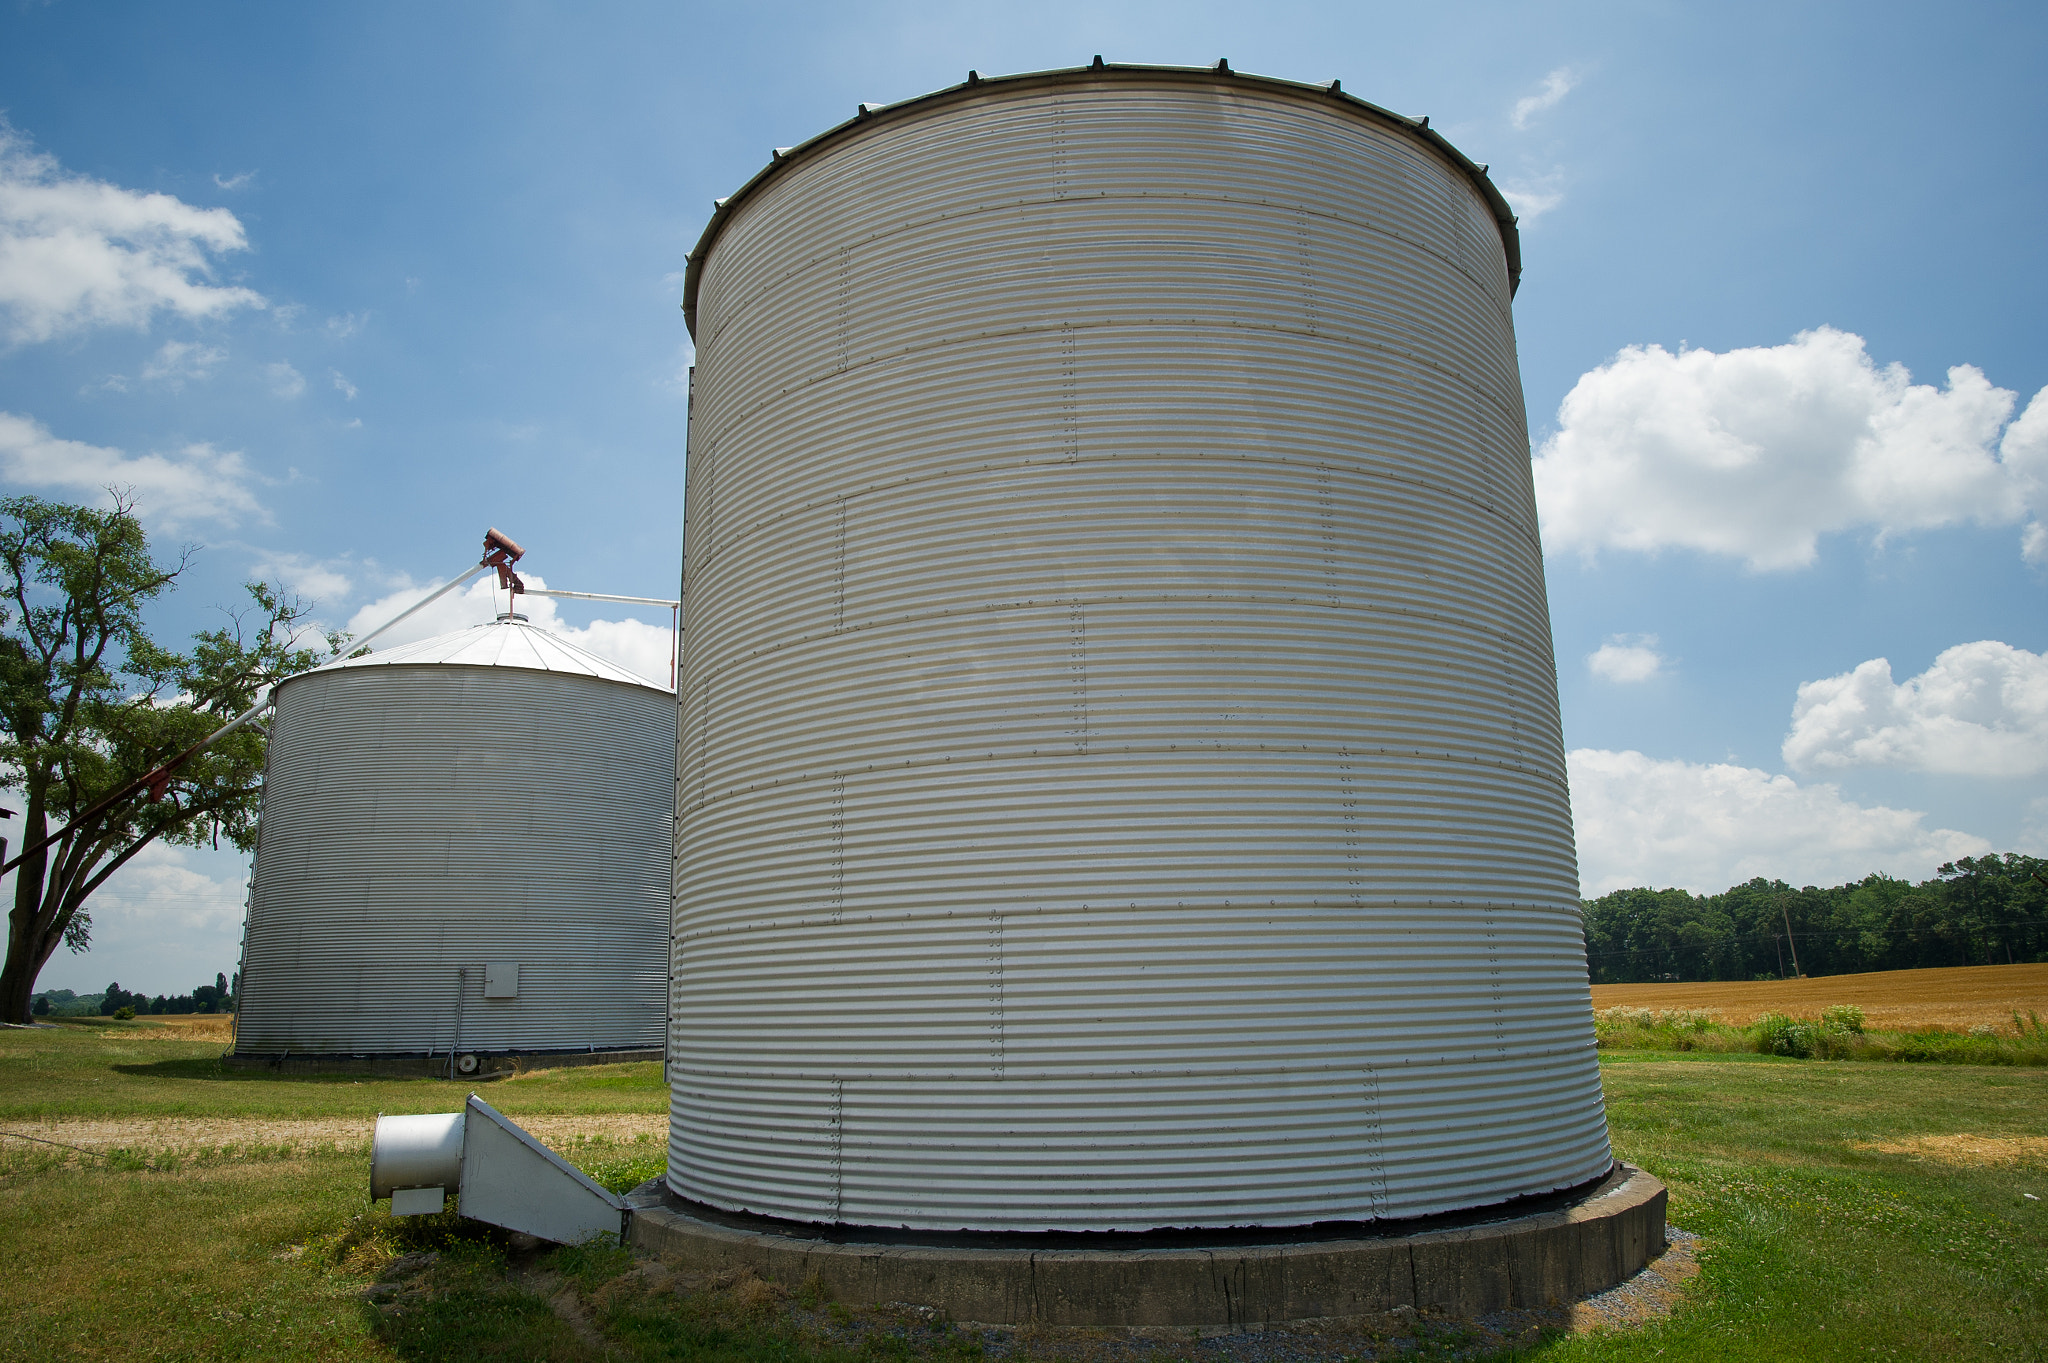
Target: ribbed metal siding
422	819
1120	781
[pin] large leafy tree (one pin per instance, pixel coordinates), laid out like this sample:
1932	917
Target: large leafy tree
90	704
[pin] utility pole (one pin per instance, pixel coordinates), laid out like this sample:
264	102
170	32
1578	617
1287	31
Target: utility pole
1797	973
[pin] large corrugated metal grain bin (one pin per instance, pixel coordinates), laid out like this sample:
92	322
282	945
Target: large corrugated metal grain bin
1120	782
464	847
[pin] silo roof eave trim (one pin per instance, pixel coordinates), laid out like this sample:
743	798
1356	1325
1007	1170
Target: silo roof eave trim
542	651
870	114
630	680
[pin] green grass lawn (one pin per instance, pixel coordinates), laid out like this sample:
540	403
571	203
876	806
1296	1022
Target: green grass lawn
1816	1243
1818	1246
106	1069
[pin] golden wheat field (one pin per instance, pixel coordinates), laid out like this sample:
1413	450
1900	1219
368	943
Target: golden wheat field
192	1027
1953	997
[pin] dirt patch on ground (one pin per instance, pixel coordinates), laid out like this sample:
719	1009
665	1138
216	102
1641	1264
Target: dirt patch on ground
1973	1151
1955	997
323	1133
163	1027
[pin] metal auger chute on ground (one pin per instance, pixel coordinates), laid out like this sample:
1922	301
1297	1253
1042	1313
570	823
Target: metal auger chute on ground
495	1171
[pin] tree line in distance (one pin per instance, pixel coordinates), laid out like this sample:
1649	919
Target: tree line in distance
1989	910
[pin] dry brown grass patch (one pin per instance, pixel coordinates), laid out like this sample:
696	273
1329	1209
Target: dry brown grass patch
159	1027
750	1293
194	1026
648	1277
1972	1151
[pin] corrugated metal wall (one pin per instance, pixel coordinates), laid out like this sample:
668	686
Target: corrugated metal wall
418	820
1120	781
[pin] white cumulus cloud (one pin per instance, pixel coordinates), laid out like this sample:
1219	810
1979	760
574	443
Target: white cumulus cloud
2034	827
1981	710
1531	196
638	645
193	484
1627	658
316	579
1756	453
285	381
1706	826
175	362
342	385
168	920
77	252
2024	451
1549	95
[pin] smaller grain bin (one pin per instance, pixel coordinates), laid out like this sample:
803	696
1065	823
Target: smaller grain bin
465	851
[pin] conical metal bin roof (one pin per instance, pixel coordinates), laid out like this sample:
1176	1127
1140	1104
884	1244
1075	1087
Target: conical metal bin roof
499	643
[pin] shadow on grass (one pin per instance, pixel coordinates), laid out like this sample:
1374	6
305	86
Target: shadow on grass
475	1316
212	1069
460	1290
645	1077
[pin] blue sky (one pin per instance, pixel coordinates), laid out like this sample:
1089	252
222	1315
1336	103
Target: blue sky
338	286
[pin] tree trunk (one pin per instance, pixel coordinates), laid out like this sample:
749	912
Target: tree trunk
46	897
18	976
25	953
25	961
